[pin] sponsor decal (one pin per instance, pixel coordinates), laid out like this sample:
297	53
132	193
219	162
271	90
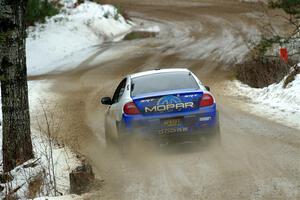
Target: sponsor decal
147	100
169	103
203	119
190	95
173	130
168	100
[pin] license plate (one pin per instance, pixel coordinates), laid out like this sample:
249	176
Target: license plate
172	122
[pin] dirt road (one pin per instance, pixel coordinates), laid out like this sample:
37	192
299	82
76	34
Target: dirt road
259	159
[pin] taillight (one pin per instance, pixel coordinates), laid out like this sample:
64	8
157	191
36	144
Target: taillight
207	100
131	109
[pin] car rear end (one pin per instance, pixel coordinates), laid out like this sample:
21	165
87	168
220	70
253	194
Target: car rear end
169	106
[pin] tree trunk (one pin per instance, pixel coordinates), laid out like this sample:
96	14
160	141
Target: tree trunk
17	146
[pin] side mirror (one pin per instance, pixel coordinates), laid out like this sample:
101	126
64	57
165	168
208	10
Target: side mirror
207	88
106	101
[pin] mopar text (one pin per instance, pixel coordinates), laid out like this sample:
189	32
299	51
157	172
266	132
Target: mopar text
168	107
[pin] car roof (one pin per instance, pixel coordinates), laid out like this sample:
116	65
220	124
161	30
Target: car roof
158	71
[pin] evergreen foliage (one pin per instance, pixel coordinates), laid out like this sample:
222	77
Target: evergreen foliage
38	10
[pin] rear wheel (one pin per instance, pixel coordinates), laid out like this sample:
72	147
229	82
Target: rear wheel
215	138
108	139
123	139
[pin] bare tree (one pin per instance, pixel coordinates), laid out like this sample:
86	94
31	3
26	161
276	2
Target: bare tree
17	145
270	36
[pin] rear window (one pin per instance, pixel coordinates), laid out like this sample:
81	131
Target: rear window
163	82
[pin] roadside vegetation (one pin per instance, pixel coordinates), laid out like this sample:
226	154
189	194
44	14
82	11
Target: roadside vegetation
38	10
140	35
259	73
264	65
120	10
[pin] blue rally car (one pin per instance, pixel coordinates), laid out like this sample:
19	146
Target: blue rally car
168	104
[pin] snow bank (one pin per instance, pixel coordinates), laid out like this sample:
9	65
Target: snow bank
64	162
66	3
274	102
70	31
66	197
63	158
48	45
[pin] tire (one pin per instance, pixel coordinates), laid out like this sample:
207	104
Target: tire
109	141
217	136
216	139
122	141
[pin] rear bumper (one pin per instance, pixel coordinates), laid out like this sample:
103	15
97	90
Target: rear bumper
202	122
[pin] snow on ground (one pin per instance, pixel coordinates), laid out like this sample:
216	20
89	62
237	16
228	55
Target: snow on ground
66	3
64	162
273	102
38	93
71	31
153	29
66	197
64	159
